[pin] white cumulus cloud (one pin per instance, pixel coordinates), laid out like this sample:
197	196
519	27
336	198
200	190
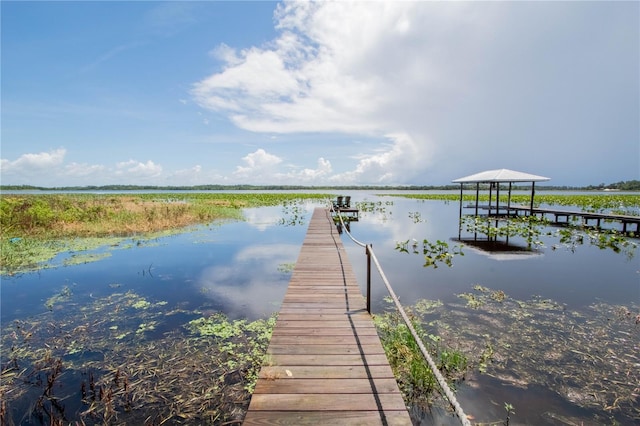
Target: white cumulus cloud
133	168
28	163
346	67
390	166
259	165
453	86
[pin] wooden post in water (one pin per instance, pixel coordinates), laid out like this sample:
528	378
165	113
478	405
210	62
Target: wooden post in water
490	196
533	192
477	196
460	214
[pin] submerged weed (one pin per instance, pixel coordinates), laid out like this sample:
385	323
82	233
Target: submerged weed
107	360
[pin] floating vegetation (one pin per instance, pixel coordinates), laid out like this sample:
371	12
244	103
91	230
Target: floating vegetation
141	304
286	268
374	207
78	259
62	296
571	238
476	302
27	254
216	325
146	326
416	217
106	361
293	214
32	254
434	253
590	357
530	228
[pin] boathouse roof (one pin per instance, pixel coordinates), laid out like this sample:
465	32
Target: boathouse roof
501	175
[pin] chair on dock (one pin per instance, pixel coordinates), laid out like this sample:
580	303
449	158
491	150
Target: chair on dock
337	205
347	201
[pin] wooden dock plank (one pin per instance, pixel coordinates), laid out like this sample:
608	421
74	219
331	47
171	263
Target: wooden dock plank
325	362
327	402
342	418
327	349
314	331
318	372
300	315
298	321
338	386
298	359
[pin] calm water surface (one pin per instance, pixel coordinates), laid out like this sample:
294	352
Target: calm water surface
242	269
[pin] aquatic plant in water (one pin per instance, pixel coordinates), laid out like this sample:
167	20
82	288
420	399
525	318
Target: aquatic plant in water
434	253
589	357
380	208
572	238
63	295
530	228
286	268
292	214
414	376
105	361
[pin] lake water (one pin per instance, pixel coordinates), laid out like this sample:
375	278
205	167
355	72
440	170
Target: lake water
553	323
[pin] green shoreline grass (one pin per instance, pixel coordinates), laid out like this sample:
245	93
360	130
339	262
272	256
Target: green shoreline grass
35	228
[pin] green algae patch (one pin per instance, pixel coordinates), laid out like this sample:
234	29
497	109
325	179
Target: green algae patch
216	325
136	301
63	296
146	326
80	259
27	254
20	255
141	304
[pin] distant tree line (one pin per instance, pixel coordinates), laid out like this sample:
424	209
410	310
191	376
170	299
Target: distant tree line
630	185
221	188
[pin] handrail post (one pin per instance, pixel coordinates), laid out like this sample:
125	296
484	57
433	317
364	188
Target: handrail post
367	249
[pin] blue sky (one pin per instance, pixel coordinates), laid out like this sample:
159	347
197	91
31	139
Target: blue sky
337	93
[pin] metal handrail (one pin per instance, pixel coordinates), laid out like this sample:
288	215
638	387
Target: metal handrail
434	368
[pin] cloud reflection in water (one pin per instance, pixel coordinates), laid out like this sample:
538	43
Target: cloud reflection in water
251	285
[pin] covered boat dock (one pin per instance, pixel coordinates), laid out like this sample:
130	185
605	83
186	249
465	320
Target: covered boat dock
494	178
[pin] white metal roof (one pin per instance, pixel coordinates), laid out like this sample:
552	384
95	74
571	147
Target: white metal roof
501	175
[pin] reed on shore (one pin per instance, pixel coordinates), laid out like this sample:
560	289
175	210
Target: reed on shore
33	228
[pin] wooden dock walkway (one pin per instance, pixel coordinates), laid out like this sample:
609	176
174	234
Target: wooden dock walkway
325	362
625	220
